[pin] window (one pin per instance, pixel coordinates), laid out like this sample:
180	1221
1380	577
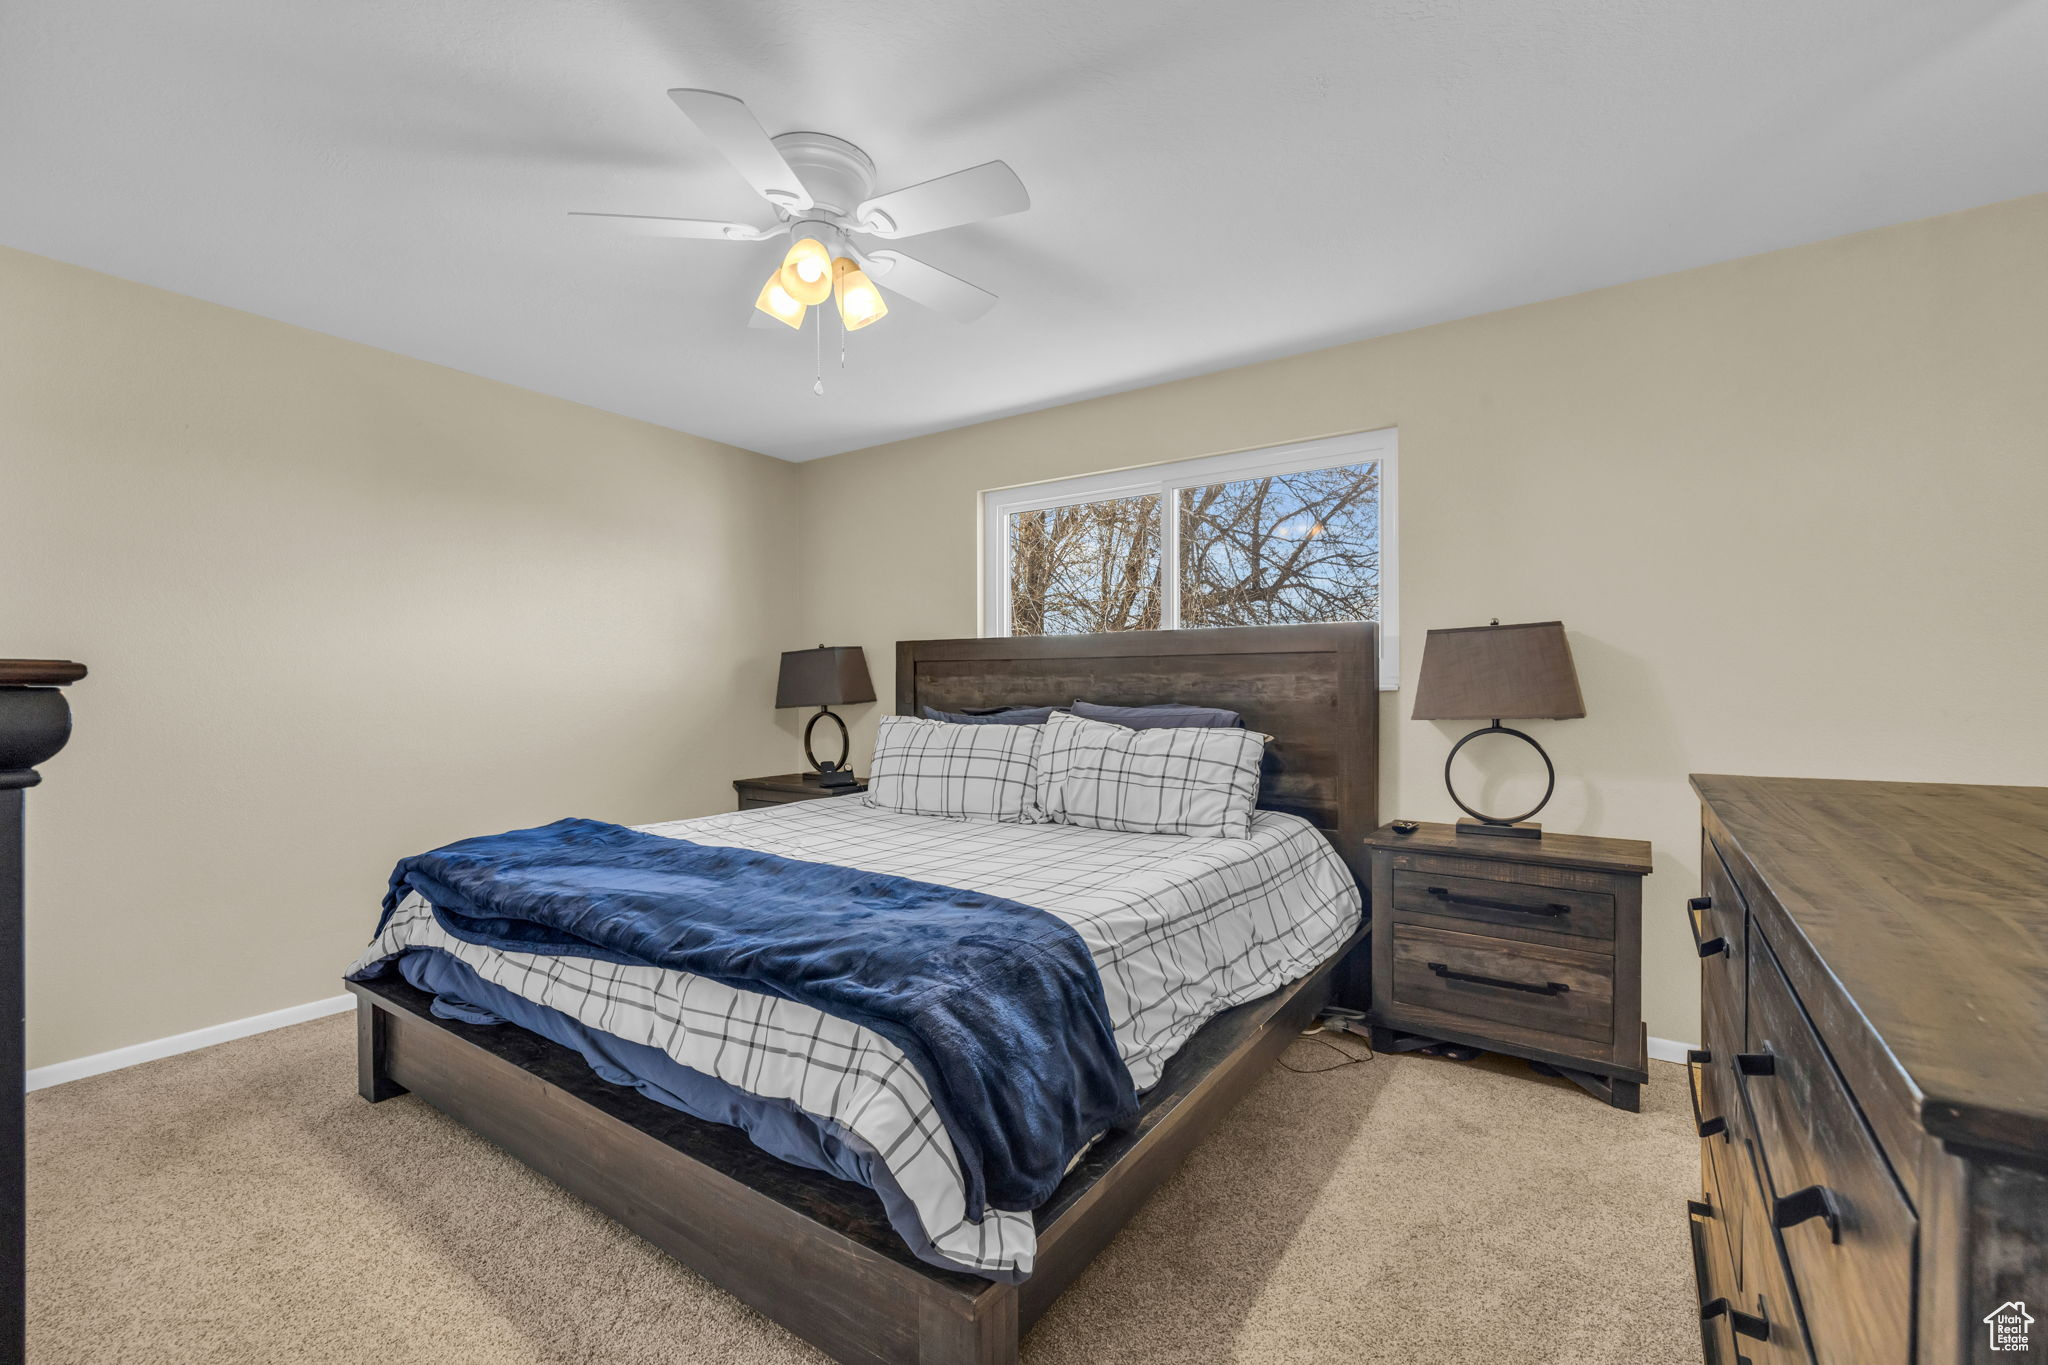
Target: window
1290	534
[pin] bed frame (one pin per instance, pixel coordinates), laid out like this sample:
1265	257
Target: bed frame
817	1254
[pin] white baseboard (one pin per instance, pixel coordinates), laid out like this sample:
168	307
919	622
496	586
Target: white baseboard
59	1072
1664	1050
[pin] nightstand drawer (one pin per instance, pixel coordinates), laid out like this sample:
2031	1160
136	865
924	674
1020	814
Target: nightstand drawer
1533	986
758	793
1583	914
754	800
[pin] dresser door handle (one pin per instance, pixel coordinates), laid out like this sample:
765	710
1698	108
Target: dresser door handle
1444	893
1815	1201
1548	988
1707	946
1757	1063
1709	1127
1748	1324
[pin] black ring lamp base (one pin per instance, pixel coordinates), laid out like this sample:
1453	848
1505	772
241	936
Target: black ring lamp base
839	774
1514	826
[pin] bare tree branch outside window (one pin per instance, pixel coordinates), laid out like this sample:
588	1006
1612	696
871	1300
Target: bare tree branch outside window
1090	567
1267	551
1280	550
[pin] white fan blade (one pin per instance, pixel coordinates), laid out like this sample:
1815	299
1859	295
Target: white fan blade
989	190
740	138
648	226
928	285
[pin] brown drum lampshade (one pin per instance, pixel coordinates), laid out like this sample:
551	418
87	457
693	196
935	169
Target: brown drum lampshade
826	676
1498	673
1494	673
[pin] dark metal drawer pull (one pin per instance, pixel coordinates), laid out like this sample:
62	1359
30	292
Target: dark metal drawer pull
1549	988
1748	1324
1709	1127
1815	1201
1757	1063
1707	946
1444	893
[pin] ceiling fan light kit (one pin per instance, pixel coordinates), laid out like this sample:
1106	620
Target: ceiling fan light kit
778	303
822	190
807	270
860	303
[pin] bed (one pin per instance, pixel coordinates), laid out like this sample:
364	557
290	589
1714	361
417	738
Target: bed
828	1257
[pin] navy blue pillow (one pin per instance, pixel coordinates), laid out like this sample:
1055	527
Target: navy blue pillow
1168	717
1001	715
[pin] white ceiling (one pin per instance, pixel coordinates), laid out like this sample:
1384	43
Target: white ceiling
1213	183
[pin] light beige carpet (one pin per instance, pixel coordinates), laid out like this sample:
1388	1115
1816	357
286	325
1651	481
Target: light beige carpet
241	1204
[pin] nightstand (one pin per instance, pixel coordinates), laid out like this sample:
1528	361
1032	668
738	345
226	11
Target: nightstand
756	792
1531	947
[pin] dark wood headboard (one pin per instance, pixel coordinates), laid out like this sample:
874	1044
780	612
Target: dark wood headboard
1315	689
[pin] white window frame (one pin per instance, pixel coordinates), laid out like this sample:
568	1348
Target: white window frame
998	505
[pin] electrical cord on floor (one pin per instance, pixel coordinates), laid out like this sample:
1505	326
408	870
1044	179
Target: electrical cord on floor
1315	1033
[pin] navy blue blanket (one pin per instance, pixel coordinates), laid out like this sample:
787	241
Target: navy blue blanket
997	1004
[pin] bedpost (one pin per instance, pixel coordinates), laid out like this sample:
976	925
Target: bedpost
35	722
373	1031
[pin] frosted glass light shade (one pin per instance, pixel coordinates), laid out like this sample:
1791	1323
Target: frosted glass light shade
807	271
860	303
778	303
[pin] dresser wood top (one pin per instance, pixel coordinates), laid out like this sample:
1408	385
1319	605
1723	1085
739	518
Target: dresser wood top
1928	904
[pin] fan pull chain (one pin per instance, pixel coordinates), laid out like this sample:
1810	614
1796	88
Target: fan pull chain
818	353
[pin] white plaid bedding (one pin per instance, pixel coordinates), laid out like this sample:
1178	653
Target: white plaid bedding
1194	780
958	772
1180	929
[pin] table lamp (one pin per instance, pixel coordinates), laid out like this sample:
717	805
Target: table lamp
828	676
1495	672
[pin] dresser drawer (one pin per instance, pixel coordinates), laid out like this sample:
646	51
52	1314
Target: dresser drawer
1714	1277
1533	986
1847	1230
1748	1315
1771	1330
1723	1198
1711	1093
1720	932
1582	914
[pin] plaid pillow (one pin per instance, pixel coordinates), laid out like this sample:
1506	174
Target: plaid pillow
960	772
1199	781
1068	738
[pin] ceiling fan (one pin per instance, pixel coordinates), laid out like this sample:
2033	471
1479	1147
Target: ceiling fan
822	191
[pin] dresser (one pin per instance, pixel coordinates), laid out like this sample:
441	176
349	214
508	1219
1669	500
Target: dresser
755	792
1531	947
1871	1086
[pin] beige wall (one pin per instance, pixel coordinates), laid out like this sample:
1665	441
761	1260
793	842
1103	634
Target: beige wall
339	606
1793	509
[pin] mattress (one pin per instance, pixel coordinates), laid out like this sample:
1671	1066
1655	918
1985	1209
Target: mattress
1179	929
